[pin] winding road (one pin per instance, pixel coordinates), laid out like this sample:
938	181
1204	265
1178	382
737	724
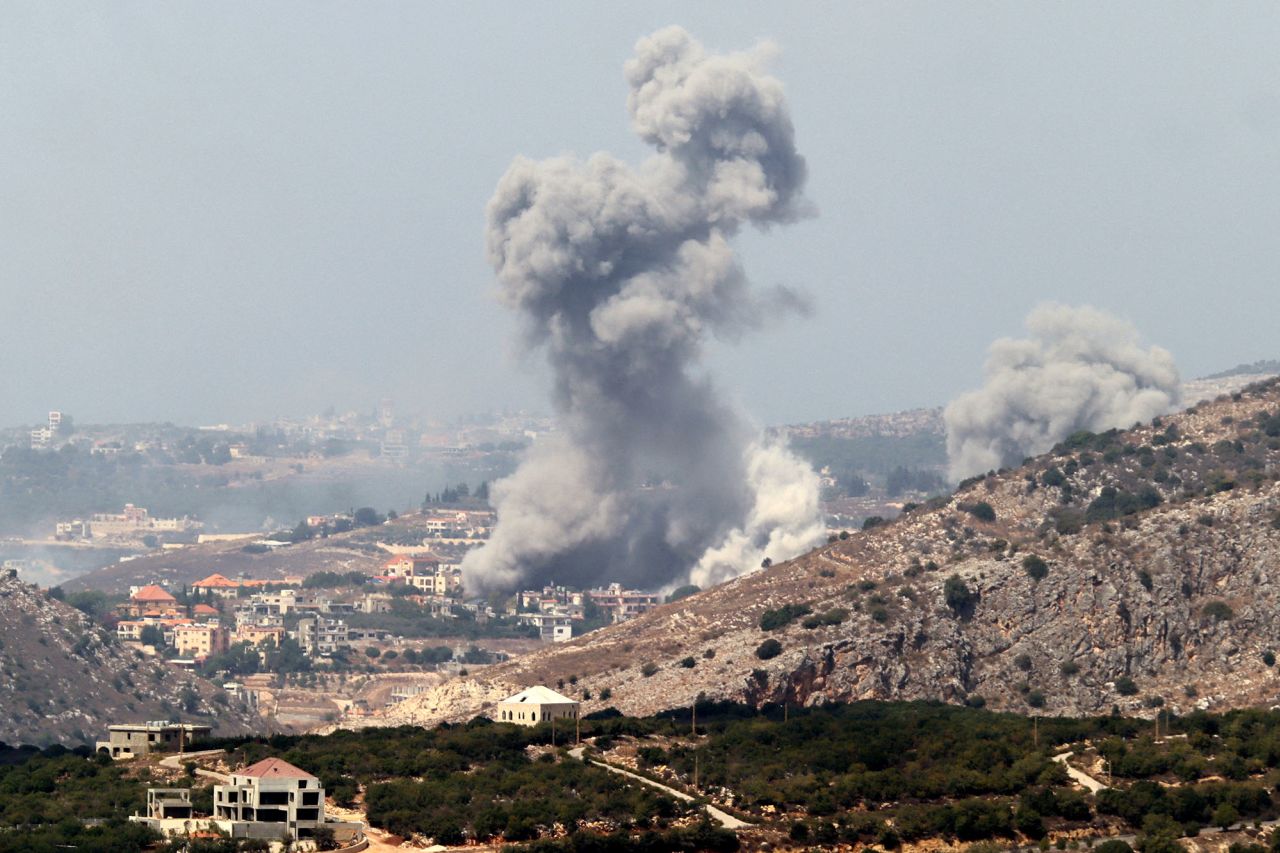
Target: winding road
726	820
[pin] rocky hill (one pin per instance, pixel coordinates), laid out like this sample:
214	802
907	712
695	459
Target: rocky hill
1135	569
63	679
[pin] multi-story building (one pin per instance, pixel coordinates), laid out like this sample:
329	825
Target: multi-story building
135	521
552	627
129	740
427	572
271	792
258	635
150	600
319	635
199	641
623	604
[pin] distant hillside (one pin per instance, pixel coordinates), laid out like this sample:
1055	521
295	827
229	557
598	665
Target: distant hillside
1132	569
65	679
341	552
1266	367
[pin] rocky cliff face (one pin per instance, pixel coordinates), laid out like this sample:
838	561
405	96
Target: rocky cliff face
1133	569
64	679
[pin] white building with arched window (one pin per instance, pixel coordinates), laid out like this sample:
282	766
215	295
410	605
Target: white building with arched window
536	705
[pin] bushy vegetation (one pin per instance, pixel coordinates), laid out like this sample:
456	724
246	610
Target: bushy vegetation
44	796
769	649
1035	567
772	620
980	510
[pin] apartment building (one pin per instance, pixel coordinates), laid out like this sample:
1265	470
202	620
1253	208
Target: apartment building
199	641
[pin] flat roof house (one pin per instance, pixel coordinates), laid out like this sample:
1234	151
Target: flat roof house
169	803
130	740
536	705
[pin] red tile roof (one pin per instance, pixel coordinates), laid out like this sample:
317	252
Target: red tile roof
217	580
206	610
274	768
151	592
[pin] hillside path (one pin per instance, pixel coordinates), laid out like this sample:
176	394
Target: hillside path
1079	776
726	820
175	762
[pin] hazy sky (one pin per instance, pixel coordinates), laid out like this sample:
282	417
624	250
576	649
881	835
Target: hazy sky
231	211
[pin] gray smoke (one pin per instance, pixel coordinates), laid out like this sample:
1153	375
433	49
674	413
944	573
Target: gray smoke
621	274
1080	369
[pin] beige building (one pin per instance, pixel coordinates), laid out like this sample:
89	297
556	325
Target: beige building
259	635
199	641
536	705
129	740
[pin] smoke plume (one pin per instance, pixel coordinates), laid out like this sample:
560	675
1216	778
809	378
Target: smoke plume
1080	369
621	274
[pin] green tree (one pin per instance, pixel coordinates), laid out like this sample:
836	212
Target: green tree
958	597
151	635
683	592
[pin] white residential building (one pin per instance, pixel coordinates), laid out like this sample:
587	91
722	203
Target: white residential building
536	705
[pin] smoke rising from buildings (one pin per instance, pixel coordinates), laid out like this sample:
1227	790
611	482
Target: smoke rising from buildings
1081	368
621	275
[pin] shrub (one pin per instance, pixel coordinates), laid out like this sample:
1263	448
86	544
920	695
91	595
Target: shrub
1069	667
771	620
1035	567
1068	521
1035	699
872	522
1053	477
1269	658
689	662
1113	846
958	597
1023	662
981	510
683	592
1125	686
648	668
769	649
829	617
1218	611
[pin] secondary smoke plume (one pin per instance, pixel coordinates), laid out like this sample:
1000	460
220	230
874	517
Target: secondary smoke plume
621	274
1081	368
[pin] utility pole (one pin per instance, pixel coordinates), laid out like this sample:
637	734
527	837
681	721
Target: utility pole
695	770
694	727
1035	730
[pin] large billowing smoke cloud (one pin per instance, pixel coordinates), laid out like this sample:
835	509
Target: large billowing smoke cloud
622	273
1081	368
